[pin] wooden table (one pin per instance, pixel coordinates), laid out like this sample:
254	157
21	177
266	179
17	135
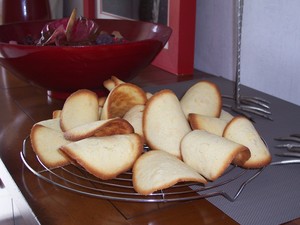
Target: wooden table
40	202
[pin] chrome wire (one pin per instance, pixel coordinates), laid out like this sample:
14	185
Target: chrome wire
252	105
121	188
239	49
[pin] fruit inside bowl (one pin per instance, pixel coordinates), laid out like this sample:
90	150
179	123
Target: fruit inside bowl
62	67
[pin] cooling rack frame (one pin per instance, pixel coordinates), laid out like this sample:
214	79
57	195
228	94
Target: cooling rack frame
74	178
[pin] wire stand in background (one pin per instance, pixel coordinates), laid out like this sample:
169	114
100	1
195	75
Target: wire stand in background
246	105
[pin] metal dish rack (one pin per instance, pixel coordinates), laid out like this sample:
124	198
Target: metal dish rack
74	178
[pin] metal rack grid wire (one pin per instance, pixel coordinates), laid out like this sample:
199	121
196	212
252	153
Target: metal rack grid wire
74	178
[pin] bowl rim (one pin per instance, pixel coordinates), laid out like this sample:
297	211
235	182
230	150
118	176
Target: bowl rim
167	28
117	45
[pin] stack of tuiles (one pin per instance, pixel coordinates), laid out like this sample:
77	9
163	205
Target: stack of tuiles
191	139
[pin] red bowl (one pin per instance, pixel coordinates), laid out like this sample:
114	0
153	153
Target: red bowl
65	69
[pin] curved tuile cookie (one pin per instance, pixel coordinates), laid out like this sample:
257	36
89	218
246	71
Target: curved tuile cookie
164	123
101	101
111	83
210	154
80	107
211	124
99	128
45	143
56	114
53	124
116	80
203	98
241	130
106	157
135	117
226	116
156	170
148	95
121	99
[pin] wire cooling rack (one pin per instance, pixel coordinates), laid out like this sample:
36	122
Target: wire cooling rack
74	178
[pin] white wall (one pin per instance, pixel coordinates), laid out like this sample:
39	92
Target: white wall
214	42
270	59
56	7
69	5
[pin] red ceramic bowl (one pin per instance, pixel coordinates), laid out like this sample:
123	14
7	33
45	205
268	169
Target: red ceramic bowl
62	70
